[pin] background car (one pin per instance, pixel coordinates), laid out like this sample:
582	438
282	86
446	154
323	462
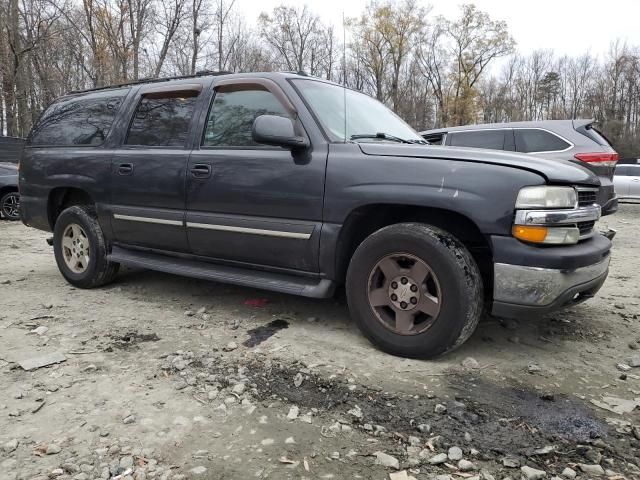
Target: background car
627	182
10	150
574	140
9	196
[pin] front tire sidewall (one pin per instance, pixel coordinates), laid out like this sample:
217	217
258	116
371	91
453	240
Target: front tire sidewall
461	296
97	252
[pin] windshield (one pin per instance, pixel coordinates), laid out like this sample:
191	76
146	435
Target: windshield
365	115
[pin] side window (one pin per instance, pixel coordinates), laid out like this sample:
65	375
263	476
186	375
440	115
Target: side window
493	139
622	171
534	140
162	119
633	170
78	120
233	111
435	138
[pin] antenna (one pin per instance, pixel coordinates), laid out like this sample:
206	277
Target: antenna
344	73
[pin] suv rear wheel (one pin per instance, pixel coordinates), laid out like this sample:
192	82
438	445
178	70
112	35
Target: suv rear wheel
80	248
414	290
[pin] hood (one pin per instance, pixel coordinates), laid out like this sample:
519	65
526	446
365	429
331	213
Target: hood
554	171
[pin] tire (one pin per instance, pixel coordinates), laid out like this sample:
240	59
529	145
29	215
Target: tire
9	204
90	268
449	292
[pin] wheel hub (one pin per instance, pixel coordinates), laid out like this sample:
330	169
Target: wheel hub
404	292
75	248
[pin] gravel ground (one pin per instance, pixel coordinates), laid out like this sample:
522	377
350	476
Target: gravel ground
173	378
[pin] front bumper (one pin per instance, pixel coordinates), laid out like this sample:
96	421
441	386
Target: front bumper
538	287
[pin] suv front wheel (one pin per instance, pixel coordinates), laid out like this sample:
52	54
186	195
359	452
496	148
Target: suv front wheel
80	248
414	290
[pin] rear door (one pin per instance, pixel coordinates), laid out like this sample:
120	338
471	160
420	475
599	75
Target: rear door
621	180
148	169
633	174
254	203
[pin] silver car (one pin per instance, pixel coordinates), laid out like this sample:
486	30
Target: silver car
627	182
577	141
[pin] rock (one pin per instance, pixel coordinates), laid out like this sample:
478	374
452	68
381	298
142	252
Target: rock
424	428
593	456
10	446
414	441
529	473
467	437
438	459
636	432
466	465
298	379
440	408
238	388
403	475
189	313
201	310
41	330
200	470
386	460
455	454
289	441
126	462
634	361
129	419
229	347
267	441
591	469
544	450
356	412
511	462
623	367
293	413
53	449
470	363
533	368
569	473
56	472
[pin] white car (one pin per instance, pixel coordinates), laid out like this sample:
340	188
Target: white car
626	181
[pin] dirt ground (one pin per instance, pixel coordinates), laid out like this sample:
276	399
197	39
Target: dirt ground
172	378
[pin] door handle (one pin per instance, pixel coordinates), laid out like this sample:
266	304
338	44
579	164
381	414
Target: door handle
125	169
201	170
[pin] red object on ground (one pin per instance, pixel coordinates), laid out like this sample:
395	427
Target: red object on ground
256	302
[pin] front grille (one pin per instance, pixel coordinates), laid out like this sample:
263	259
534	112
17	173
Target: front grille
585	227
587	197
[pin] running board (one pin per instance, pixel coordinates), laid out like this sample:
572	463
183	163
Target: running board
277	282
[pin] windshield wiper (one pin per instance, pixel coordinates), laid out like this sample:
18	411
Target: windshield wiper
381	135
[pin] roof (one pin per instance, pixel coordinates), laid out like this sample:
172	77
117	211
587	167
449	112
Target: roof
200	74
534	123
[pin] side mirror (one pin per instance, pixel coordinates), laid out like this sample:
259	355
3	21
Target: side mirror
277	131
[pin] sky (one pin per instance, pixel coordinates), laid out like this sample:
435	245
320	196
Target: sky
569	27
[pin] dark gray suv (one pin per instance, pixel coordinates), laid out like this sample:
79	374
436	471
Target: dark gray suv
260	180
577	141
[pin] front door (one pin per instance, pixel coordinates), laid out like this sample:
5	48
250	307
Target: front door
148	170
253	203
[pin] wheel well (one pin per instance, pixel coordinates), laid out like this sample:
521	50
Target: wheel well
7	189
64	197
363	221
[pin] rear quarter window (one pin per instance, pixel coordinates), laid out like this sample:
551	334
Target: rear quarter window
79	120
531	140
595	135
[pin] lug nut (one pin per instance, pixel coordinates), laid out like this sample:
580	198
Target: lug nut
394	285
403	304
414	300
394	297
414	288
404	280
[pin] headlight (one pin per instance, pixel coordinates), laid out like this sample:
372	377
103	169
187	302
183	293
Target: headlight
547	197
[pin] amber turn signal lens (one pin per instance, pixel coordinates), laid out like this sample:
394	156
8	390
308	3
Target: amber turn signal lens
529	233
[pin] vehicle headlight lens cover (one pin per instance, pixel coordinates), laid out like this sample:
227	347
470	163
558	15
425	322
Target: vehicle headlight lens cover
547	197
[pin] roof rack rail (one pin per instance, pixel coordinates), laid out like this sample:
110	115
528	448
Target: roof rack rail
200	73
